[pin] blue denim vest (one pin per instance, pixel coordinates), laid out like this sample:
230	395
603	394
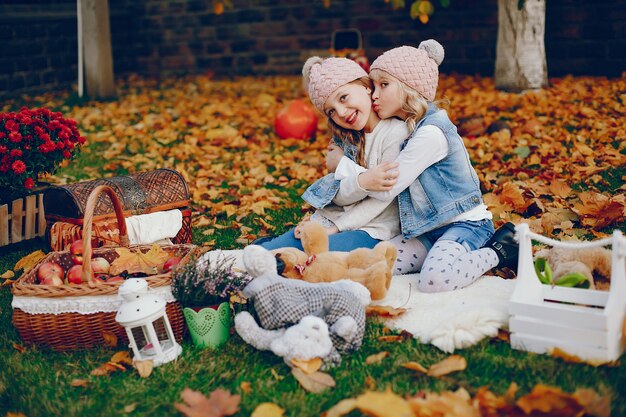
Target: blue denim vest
445	189
321	192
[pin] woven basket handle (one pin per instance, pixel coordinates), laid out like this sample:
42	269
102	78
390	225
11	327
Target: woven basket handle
88	223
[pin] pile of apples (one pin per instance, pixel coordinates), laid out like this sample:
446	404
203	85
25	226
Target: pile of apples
51	273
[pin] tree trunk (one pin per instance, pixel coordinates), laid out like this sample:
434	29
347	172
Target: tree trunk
520	52
96	40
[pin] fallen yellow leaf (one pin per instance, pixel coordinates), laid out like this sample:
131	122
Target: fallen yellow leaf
377	357
415	366
144	368
30	260
79	383
448	365
316	382
267	410
308	367
8	274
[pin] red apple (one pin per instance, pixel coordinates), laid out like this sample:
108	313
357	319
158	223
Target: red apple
100	279
76	250
100	266
50	273
114	279
171	263
75	275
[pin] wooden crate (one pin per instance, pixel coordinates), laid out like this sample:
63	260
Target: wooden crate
22	219
582	322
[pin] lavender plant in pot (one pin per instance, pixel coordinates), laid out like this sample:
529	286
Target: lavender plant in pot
204	287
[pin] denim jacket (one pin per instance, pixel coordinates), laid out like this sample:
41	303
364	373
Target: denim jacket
445	189
321	192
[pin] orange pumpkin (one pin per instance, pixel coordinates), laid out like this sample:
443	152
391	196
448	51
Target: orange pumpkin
296	120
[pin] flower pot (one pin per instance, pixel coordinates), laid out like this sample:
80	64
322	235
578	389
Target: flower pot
210	326
22	219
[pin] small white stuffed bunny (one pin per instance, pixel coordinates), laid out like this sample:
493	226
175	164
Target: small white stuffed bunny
303	341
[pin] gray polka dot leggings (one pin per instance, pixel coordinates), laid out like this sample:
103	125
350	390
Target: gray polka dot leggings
447	266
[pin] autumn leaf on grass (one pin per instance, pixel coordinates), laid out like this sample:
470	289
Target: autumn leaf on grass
449	404
144	368
122	357
219	404
8	274
595	404
415	366
448	365
377	357
549	401
19	348
268	410
316	382
79	383
106	369
383	311
513	195
560	188
597	210
30	260
372	403
310	366
149	263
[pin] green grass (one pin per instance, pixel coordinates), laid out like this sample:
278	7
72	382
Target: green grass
37	382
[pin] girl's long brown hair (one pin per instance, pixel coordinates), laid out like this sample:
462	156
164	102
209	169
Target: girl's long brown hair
355	137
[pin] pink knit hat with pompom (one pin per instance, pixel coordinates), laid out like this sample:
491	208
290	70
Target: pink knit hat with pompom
323	76
416	67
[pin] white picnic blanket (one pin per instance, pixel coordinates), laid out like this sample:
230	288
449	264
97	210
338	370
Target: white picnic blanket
450	320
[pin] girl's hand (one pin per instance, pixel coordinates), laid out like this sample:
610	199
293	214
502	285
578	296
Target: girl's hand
332	230
333	156
380	178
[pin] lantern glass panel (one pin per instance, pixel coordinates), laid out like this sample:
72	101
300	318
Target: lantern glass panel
160	329
140	336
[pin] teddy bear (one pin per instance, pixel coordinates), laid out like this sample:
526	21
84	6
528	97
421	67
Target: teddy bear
587	261
280	303
305	340
370	267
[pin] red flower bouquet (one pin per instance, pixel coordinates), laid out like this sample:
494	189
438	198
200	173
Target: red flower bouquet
33	142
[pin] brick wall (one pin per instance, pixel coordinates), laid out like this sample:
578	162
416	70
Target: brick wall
275	36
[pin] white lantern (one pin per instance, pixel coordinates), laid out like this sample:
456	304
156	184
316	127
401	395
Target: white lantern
143	316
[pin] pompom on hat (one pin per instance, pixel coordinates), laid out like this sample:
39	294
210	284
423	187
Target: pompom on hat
323	76
416	67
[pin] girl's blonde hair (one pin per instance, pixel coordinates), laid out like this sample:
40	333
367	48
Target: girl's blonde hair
412	102
355	137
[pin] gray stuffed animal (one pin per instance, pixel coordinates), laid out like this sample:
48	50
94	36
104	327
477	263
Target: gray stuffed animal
281	303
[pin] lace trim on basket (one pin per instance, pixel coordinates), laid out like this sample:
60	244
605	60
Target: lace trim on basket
82	305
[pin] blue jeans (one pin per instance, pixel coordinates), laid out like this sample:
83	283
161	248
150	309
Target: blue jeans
471	234
341	242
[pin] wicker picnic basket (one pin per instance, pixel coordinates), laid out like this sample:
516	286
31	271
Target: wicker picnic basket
69	317
145	192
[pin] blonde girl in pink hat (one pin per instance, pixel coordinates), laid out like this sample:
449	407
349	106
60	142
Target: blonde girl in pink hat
340	89
447	231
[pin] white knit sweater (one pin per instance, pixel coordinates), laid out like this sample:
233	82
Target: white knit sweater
378	218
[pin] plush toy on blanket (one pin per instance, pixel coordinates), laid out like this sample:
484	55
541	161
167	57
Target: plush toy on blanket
370	267
281	304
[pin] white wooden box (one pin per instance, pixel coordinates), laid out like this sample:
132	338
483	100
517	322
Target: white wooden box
582	322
